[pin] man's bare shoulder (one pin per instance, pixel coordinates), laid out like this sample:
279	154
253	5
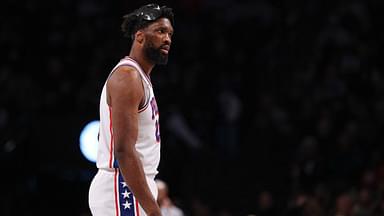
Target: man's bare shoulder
124	74
124	84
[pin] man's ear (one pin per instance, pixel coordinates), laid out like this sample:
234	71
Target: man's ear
139	35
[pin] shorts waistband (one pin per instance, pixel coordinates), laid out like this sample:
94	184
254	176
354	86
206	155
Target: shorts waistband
113	170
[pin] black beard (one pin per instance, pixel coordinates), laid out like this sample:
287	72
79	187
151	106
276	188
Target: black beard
154	54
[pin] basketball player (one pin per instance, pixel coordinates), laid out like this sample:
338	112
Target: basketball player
129	141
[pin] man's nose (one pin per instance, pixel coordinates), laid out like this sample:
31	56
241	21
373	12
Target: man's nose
168	39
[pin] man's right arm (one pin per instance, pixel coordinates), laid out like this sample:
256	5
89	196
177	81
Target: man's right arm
125	92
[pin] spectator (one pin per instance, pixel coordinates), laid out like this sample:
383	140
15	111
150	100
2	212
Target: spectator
167	205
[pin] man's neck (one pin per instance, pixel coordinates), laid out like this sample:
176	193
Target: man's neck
144	64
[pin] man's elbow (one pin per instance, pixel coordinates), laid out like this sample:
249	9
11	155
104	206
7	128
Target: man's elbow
123	150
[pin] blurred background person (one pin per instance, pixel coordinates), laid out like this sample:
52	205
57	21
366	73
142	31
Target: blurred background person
167	206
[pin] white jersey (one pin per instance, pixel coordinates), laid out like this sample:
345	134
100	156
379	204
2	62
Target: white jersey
148	140
108	192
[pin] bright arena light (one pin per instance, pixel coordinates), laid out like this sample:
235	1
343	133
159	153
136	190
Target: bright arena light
89	141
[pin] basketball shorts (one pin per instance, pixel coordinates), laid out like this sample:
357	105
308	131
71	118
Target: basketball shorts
109	195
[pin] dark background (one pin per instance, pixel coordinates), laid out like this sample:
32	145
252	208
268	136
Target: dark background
281	100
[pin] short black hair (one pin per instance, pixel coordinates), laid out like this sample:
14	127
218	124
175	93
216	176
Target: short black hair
143	16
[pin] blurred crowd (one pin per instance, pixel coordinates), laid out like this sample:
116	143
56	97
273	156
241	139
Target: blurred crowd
271	107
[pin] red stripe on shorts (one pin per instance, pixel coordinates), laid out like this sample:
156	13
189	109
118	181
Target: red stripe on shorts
116	193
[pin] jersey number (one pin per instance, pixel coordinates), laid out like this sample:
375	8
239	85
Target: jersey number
155	115
157	131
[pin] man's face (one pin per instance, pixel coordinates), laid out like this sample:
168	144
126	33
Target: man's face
158	39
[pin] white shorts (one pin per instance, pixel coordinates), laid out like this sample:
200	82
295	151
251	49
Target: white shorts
109	195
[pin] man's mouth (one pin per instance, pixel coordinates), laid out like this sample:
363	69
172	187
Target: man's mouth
164	49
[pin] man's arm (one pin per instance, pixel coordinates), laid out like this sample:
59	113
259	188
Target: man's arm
125	92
